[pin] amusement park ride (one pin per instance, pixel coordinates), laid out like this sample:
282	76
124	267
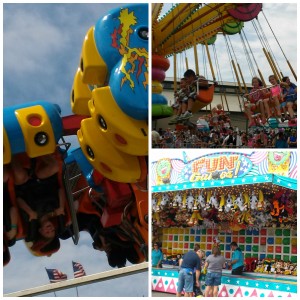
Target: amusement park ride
185	26
104	181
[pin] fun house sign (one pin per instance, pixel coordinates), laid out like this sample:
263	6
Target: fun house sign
232	168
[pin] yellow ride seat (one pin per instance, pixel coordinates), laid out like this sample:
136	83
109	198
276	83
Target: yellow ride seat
104	157
38	135
80	95
92	65
125	133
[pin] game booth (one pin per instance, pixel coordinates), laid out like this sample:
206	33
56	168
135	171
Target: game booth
214	199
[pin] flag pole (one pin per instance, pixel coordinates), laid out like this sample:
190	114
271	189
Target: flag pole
48	276
76	291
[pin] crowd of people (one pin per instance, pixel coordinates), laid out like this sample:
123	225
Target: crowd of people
225	138
193	264
262	106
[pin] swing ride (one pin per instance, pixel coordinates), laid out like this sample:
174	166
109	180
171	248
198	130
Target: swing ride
101	186
189	27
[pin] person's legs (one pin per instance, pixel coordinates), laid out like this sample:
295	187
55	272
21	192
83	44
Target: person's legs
188	284
267	107
215	291
290	109
208	291
216	283
180	283
190	104
262	111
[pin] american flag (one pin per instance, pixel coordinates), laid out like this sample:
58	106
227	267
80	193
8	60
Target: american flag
56	275
78	270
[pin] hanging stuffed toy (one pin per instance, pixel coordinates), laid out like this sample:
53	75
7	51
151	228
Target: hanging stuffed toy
207	200
229	203
261	202
190	202
239	202
177	200
247	201
253	201
200	200
213	201
196	218
165	200
222	203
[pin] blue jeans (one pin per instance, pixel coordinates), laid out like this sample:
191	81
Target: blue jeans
185	280
213	279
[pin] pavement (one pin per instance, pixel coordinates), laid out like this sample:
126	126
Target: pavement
159	294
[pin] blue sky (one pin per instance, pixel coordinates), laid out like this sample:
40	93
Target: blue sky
41	51
282	18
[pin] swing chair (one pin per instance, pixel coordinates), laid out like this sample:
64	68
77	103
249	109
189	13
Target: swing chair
186	25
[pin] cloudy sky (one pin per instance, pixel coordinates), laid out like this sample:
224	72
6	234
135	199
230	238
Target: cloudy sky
41	51
282	18
42	46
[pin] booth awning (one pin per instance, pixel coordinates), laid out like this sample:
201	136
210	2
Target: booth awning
281	181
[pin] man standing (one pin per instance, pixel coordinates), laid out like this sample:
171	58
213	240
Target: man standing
237	260
190	261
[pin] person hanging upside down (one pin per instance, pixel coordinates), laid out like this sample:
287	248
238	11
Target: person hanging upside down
40	198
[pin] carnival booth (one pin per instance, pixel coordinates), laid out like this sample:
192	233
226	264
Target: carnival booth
223	197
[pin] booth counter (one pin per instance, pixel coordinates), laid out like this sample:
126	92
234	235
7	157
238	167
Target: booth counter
247	285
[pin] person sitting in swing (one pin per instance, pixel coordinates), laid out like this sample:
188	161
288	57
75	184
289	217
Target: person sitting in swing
188	102
257	103
289	91
41	199
276	95
179	97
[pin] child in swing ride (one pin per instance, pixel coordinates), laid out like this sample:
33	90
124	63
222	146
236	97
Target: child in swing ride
276	97
289	91
187	95
257	105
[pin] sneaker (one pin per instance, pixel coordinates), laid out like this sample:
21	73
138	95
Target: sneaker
186	115
174	120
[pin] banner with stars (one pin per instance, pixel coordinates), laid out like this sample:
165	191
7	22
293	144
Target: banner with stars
225	169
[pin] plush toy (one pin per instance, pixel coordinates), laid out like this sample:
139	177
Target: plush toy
177	201
154	203
165	200
229	203
213	201
190	201
253	201
200	200
277	208
207	200
261	203
196	218
222	203
239	202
